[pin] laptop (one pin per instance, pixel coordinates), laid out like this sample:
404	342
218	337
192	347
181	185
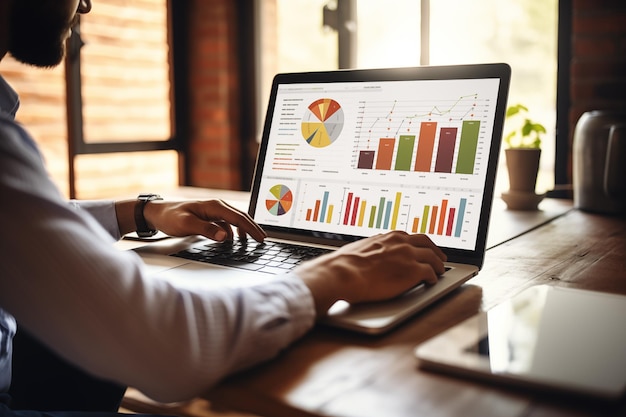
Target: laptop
349	154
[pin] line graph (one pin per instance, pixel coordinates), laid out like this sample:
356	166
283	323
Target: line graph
405	112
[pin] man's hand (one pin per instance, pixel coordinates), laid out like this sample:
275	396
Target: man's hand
372	269
211	218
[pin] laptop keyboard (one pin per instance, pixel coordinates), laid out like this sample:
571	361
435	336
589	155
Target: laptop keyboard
269	257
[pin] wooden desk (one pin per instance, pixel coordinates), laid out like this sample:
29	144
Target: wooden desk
333	373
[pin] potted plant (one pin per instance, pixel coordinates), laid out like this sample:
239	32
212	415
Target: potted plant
522	155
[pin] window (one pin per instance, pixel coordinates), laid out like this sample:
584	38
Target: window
522	33
120	113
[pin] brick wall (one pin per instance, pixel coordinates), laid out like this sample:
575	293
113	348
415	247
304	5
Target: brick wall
598	66
214	152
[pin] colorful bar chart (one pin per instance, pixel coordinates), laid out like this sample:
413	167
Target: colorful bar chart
440	220
383	215
434	149
368	209
321	211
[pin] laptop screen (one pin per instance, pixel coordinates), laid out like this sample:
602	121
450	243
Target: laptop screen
356	157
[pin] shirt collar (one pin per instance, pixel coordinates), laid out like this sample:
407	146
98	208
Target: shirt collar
9	100
9	103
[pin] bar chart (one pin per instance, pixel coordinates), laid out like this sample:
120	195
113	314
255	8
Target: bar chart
366	211
381	214
403	150
321	211
440	219
356	210
416	136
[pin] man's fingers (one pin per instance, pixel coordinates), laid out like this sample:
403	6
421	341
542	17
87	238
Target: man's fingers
243	222
229	216
429	257
427	273
421	240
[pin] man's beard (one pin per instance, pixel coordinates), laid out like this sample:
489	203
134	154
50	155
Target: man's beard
37	35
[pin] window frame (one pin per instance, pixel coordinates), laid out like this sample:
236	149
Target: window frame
562	152
177	22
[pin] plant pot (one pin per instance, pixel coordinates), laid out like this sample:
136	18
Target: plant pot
522	165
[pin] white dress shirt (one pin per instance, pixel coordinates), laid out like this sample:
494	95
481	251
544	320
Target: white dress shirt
63	280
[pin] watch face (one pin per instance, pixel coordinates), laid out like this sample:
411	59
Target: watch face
147	233
149	197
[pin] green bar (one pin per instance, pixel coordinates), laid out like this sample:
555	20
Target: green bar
467	147
372	216
405	152
381	209
425	219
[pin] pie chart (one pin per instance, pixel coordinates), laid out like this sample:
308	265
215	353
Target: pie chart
279	200
322	122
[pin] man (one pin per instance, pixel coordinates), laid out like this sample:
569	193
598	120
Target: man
68	287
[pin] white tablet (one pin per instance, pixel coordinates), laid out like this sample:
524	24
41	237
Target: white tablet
563	339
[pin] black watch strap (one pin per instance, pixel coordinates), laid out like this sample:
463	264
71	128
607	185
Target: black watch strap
140	221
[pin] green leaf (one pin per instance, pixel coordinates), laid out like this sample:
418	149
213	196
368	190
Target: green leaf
527	127
513	110
538	127
527	134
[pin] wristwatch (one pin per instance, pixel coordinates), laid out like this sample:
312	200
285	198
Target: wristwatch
140	221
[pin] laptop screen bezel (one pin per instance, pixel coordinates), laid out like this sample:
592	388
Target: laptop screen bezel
499	71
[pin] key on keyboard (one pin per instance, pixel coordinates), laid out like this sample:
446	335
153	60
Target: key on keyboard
269	257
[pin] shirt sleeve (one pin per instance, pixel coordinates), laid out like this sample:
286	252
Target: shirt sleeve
103	211
64	281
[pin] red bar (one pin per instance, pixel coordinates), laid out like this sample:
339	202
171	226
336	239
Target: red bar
316	213
366	160
355	209
442	219
445	150
308	214
450	221
433	220
346	215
